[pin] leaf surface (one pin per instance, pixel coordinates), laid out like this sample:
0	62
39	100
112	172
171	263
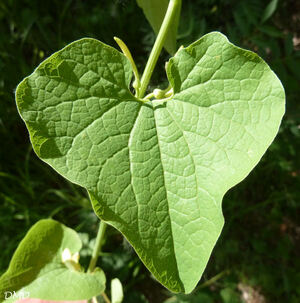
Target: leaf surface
156	170
37	270
155	11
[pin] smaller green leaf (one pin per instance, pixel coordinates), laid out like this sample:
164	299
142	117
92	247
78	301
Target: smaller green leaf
155	11
116	291
45	266
269	10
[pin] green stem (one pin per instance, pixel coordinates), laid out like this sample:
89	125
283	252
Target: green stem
105	297
174	6
213	279
98	245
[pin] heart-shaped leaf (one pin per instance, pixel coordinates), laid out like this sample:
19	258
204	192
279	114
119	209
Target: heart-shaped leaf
38	269
156	170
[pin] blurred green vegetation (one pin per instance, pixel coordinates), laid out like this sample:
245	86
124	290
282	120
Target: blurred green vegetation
257	255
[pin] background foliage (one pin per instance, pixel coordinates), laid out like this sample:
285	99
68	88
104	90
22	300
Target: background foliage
257	257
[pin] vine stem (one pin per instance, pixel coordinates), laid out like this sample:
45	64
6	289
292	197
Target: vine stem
174	6
98	245
105	298
95	254
213	279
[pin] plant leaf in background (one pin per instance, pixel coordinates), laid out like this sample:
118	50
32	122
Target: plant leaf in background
156	170
269	10
37	268
155	11
116	291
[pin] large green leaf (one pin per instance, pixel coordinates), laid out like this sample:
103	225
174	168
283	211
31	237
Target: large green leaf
38	271
156	170
155	11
